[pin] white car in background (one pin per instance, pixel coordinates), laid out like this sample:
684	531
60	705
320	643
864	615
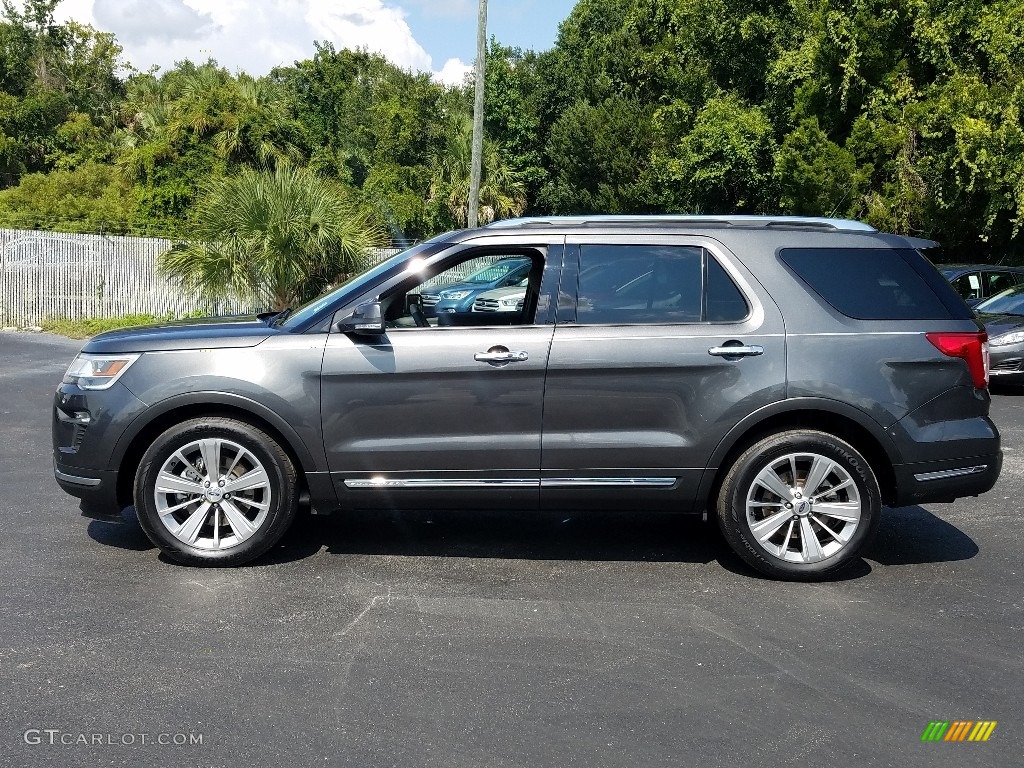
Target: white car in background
508	299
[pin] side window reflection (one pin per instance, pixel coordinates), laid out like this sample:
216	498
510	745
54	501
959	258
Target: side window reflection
481	290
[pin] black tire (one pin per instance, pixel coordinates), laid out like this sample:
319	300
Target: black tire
774	557
269	509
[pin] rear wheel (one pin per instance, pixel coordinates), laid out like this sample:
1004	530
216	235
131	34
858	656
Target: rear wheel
215	491
799	505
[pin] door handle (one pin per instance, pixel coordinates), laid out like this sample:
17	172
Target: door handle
501	356
739	350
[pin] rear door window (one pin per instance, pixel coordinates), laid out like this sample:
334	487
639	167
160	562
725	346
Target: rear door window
968	286
867	283
997	282
625	284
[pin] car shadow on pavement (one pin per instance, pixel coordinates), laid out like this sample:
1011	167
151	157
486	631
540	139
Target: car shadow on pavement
906	536
911	535
599	535
123	531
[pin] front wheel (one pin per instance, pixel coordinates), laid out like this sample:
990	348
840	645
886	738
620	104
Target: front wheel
799	505
215	491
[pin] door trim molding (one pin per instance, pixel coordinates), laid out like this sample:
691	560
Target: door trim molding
380	482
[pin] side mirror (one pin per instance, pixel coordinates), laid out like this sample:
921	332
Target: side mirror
366	320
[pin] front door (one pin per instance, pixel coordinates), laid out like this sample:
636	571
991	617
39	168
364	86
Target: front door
444	411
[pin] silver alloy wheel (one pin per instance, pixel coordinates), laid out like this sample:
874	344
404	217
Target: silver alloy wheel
212	494
803	507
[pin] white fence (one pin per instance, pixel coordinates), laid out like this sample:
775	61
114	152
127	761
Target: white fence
46	275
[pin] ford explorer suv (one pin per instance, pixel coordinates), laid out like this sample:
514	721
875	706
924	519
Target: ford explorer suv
788	376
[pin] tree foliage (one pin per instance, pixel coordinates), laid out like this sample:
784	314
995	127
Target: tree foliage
904	113
273	237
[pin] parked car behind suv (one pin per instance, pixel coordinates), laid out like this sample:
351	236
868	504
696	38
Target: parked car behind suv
508	299
787	375
977	282
1003	318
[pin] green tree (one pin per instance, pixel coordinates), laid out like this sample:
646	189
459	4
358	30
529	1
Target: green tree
277	237
512	104
88	198
599	159
502	192
374	127
816	176
724	163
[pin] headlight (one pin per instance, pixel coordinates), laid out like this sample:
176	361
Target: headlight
1016	337
454	295
98	371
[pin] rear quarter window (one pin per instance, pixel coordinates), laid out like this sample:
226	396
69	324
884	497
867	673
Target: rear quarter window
870	283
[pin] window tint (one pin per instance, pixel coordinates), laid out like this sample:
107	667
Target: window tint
478	290
654	284
968	286
724	302
867	283
997	282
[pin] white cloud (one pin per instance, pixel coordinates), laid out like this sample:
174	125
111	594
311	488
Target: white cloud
368	24
453	72
139	21
257	35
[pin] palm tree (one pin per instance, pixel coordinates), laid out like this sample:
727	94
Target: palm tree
271	237
502	192
254	131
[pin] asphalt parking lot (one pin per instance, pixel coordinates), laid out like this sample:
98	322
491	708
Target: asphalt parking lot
485	640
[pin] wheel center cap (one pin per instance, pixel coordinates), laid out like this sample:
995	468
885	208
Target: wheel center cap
802	507
214	494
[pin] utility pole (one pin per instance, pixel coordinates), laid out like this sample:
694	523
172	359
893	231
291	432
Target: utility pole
478	117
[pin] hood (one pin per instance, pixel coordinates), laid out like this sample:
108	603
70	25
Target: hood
997	325
199	333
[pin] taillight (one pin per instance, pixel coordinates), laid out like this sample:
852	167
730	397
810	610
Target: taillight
971	347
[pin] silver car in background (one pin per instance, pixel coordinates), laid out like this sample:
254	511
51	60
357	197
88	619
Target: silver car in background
509	299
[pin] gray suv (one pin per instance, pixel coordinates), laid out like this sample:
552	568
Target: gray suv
787	375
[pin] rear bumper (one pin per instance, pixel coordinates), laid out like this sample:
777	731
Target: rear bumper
943	481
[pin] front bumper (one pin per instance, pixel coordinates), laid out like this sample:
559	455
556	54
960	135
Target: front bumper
86	426
96	488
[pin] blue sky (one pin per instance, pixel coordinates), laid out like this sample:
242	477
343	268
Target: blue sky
438	36
449	28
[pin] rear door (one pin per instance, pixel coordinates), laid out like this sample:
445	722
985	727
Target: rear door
671	343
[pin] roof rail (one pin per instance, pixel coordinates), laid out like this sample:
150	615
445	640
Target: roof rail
814	222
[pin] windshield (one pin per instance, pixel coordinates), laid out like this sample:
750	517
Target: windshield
309	310
493	273
1009	302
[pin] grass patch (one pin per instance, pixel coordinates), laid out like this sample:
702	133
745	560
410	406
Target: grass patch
84	329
